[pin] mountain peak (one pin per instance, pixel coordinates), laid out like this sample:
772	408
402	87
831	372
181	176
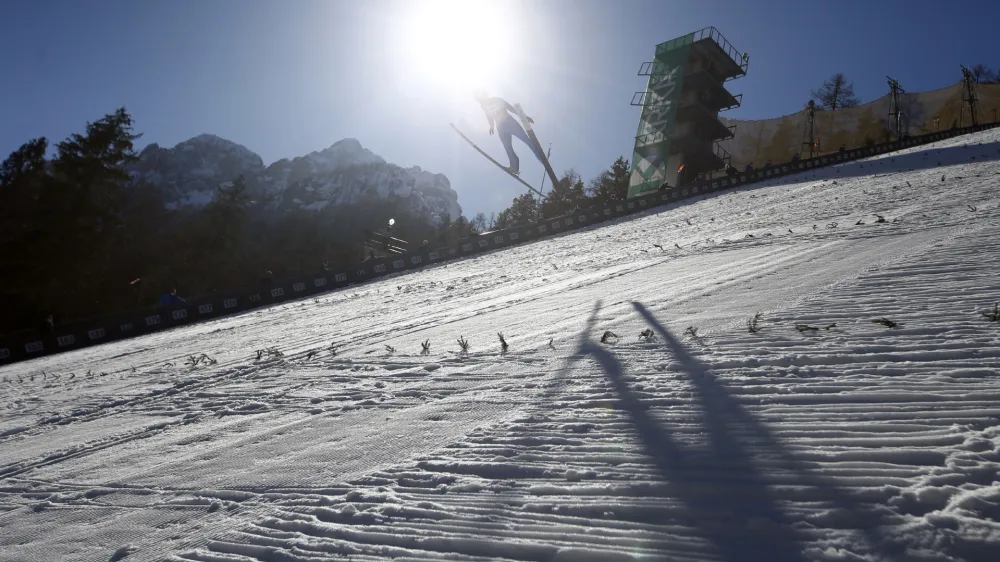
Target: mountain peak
343	153
348	143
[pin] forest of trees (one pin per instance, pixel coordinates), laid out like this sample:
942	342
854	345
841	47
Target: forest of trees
569	194
79	238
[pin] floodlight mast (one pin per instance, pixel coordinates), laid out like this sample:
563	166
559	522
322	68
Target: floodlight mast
969	98
895	111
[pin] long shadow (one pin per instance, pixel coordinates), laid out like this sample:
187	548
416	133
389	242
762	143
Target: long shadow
744	525
728	424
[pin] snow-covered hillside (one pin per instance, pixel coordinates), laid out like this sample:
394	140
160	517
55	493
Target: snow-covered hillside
824	436
346	172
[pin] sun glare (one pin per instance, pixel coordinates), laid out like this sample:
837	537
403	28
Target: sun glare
457	45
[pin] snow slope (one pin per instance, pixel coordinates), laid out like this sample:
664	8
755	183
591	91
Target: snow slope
845	441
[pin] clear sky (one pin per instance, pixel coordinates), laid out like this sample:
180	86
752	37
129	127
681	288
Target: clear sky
288	77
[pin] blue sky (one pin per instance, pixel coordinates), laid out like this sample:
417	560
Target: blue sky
285	78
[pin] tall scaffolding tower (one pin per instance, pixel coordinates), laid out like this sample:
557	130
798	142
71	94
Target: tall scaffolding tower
679	128
895	111
969	99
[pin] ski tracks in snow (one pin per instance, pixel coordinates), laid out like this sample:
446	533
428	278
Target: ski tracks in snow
847	440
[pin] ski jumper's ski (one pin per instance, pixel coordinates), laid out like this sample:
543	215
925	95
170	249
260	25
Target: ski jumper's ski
531	135
499	165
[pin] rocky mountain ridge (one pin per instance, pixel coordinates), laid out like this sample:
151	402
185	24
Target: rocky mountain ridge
344	173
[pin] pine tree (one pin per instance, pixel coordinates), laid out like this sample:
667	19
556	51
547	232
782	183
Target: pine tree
227	212
567	195
612	184
836	93
24	240
443	229
522	210
82	209
26	164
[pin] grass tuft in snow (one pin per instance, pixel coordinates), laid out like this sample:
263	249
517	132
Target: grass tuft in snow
464	344
425	347
995	315
885	322
270	352
122	552
609	336
753	324
195	360
503	344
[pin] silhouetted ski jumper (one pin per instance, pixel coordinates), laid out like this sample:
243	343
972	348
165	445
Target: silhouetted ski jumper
498	113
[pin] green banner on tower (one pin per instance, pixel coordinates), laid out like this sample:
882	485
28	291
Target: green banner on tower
659	108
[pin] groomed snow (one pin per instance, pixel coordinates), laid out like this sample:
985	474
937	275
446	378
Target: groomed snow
845	441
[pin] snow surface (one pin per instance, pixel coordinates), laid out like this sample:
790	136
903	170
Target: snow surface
850	442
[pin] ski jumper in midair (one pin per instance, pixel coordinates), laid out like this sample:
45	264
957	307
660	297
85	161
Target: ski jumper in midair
507	127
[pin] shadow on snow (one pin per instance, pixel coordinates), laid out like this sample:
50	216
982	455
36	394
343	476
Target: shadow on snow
730	499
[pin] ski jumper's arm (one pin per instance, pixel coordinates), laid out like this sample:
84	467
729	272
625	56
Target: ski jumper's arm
489	117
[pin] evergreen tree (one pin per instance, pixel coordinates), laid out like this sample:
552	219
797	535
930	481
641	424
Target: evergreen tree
567	195
23	238
612	184
443	229
24	166
522	210
80	211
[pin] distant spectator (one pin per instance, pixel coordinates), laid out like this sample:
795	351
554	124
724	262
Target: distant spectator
136	287
767	164
731	171
268	279
749	168
170	299
843	148
48	325
795	158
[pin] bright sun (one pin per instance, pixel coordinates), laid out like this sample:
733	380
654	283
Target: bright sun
456	45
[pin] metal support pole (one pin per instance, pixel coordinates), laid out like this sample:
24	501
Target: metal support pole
541	187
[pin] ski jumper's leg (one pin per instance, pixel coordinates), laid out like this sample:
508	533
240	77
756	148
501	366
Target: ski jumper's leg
519	132
504	131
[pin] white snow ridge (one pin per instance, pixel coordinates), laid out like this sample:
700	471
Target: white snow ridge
858	421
